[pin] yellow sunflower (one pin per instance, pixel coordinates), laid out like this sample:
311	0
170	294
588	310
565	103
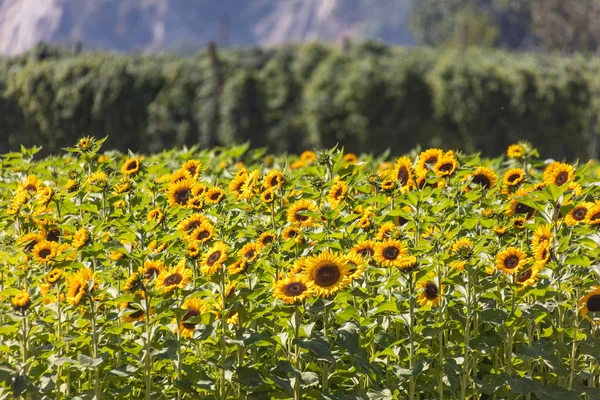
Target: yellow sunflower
516	207
350	158
237	267
190	223
484	177
156	215
274	179
445	166
21	301
213	258
78	285
193	249
577	214
530	276
364	222
193	167
214	195
428	157
500	230
30	240
590	302
152	269
308	156
513	177
236	186
430	293
337	193
458	265
388	184
593	215
365	248
131	312
542	234
356	265
558	174
193	307
511	260
542	252
131	166
250	252
181	192
518	222
202	233
463	248
123	186
295	212
292	233
268	196
133	283
80	238
390	253
328	272
179	176
267	238
53	276
403	171
46	251
174	278
31	184
292	289
515	151
386	231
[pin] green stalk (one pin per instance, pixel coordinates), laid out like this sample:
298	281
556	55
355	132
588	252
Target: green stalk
411	348
467	338
574	344
325	366
94	347
58	339
148	345
223	334
511	332
297	389
441	337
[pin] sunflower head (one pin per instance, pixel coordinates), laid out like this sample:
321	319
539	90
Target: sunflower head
131	166
328	272
193	167
484	177
193	307
180	193
390	253
558	174
590	302
80	238
152	269
267	238
430	293
445	166
296	213
337	193
202	233
515	151
46	251
134	283
292	233
213	258
21	301
190	223
403	171
292	289
593	215
365	248
53	276
517	207
131	312
513	177
386	231
250	252
463	248
273	180
356	265
176	277
511	260
156	215
214	195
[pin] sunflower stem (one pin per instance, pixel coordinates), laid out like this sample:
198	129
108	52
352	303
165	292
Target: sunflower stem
148	363
58	339
94	347
411	349
297	319
467	337
223	333
441	336
325	366
574	344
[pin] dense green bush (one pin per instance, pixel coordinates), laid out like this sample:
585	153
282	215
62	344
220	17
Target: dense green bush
366	97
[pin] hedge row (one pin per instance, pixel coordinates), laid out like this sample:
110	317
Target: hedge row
368	98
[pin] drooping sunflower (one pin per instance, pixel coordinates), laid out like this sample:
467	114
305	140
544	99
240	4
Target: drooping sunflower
214	195
156	215
99	179
134	283
356	265
236	186
511	260
515	151
390	253
513	177
458	265
463	248
249	188
292	289
365	248
542	252
445	166
176	277
237	267
388	184
337	193
386	231
80	238
517	207
430	293
123	186
31	184
590	302
593	215
46	251
21	301
152	269
78	286
500	230
273	180
202	233
131	166
266	238
542	234
193	167
328	272
250	251
428	158
406	263
192	222
403	171
558	174
364	222
181	192
213	258
484	177
295	212
194	307
53	276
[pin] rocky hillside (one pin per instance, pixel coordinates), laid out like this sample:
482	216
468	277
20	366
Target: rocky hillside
185	25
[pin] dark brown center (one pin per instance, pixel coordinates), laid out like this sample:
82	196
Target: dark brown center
213	258
446	167
182	195
561	178
294	289
513	178
203	234
403	176
327	274
274	181
45	253
191	313
151	272
215	196
595	217
524	276
593	303
431	160
300	217
250	254
31	245
482	180
511	262
521	208
391	253
190	226
267	239
137	314
53	235
292	233
367	251
173	279
431	291
579	213
132	165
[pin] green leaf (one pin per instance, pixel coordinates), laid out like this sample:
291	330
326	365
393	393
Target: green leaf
318	346
348	337
123	371
88	362
539	348
384	394
249	377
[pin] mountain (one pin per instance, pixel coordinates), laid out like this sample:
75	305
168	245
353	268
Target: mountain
186	25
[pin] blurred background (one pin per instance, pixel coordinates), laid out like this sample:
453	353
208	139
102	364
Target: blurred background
288	75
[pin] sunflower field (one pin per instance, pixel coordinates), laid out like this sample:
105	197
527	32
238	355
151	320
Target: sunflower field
233	274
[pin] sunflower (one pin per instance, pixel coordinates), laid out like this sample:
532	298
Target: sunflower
511	260
516	207
273	180
500	230
308	156
390	253
174	278
328	272
267	238
193	167
193	249
337	193
155	248
131	166
123	186
542	253
421	180
350	158
463	248
249	187
365	248
53	234
558	174
403	171
53	276
213	258
31	184
458	265
593	215
21	301
78	286
237	267
406	262
250	252
99	179
179	176
430	294
202	233
388	184
515	151
292	289
292	233
529	277
193	307
541	235
268	196
590	302
445	166
180	193
133	283
484	177
85	144
356	265
45	195
80	238
364	222
295	216
214	195
195	203
190	223
577	214
131	312
46	251
30	240
386	231
152	269
236	186
428	157
156	215
518	222
513	177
